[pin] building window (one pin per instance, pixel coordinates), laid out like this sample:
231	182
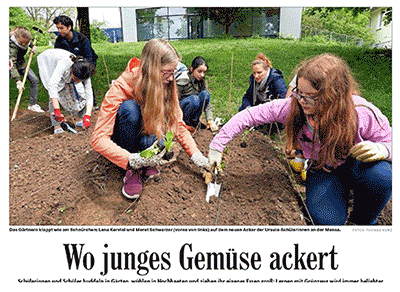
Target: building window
173	23
381	19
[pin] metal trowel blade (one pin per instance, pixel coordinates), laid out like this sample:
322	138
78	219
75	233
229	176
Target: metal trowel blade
212	190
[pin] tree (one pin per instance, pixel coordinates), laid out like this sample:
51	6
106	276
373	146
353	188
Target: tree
45	15
19	17
354	10
388	16
96	33
342	20
324	11
83	21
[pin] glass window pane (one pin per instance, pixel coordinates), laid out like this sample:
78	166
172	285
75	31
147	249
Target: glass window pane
195	27
176	23
178	27
145	28
177	11
162	11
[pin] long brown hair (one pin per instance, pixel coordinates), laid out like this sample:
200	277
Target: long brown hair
335	117
159	103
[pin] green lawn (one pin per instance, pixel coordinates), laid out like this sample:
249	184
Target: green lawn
371	68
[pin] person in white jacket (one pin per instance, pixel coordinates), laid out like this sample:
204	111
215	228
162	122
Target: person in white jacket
66	77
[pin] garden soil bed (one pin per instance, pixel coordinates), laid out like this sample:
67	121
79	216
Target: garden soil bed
60	180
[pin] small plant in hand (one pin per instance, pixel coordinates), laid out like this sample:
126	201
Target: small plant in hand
168	143
148	153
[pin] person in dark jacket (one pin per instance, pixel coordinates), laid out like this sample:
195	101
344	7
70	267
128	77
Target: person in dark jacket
265	84
74	42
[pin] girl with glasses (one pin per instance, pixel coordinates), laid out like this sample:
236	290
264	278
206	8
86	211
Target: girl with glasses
346	139
138	110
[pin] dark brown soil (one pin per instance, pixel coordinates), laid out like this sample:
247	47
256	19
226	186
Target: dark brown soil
60	180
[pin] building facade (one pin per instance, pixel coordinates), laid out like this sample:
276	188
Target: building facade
383	33
173	23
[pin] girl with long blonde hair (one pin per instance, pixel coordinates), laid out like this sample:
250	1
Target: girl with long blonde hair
346	139
139	109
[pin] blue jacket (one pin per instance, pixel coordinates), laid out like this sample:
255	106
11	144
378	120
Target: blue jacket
79	45
274	88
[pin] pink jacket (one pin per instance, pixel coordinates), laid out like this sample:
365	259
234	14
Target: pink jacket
372	124
121	90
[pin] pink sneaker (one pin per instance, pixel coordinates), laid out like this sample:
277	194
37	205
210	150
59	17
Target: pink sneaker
151	172
133	184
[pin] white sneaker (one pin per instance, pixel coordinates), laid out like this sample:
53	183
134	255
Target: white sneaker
35	108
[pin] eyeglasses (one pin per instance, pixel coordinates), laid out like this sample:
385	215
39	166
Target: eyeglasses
307	99
168	73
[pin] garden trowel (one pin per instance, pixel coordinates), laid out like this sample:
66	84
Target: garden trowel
66	127
213	188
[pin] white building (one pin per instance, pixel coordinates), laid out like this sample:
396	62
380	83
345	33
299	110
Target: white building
140	24
383	33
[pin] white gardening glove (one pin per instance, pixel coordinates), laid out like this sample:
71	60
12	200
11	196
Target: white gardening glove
34	49
368	151
20	86
136	161
200	160
215	158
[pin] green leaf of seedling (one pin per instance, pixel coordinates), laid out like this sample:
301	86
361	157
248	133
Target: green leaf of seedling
146	153
169	141
169	136
149	152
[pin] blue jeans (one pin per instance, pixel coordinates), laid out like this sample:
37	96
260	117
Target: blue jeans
327	194
34	80
128	132
192	107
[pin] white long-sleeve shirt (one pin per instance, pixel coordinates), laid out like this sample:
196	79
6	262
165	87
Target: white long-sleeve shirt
55	73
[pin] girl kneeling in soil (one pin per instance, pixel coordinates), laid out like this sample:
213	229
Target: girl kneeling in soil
194	97
138	110
67	79
346	139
